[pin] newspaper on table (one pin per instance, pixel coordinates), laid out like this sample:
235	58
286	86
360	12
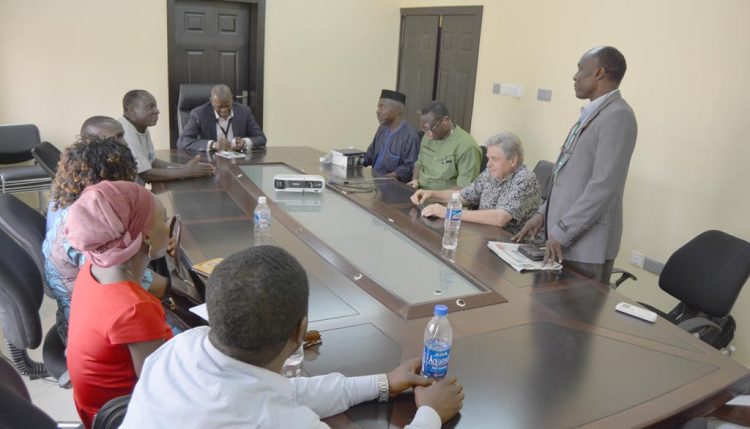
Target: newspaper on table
509	253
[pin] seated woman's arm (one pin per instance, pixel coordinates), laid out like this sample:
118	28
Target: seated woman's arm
140	351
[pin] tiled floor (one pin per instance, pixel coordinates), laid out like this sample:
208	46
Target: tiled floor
47	395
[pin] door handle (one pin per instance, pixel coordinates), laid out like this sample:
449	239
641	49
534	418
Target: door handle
242	97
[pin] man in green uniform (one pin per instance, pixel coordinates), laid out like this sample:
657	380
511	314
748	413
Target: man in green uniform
449	157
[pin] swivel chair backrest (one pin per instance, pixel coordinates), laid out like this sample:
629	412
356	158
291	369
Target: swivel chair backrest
543	172
25	225
16	142
191	96
708	272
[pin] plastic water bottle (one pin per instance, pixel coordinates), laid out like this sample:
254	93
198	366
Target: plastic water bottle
293	364
262	222
452	222
438	337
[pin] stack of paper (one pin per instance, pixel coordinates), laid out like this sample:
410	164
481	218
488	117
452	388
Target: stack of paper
509	253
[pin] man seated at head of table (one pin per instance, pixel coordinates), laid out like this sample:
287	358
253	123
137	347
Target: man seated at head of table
228	374
140	113
395	147
449	157
506	193
221	124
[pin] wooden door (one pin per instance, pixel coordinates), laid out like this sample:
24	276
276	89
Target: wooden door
438	59
215	42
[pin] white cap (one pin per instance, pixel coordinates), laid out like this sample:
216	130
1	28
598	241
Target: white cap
261	200
456	195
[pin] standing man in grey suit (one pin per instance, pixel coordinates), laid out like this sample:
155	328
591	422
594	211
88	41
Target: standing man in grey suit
221	124
583	213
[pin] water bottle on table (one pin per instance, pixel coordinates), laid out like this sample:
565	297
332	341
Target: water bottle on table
262	222
452	221
438	337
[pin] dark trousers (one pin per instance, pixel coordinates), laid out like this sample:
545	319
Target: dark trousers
601	272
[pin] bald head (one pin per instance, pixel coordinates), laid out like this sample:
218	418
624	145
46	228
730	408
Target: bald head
102	128
221	99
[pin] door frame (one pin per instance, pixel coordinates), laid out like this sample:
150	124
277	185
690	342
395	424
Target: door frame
441	10
257	43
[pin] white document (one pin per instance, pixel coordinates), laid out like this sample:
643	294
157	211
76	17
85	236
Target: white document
509	253
230	154
201	311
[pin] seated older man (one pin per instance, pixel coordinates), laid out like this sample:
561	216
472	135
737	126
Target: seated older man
507	193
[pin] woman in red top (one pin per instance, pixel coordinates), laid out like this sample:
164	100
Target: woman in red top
114	323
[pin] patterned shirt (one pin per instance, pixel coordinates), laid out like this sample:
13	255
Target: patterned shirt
518	195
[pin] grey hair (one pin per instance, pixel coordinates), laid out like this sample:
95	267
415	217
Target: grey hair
509	143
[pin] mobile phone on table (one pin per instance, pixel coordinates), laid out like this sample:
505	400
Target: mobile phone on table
532	252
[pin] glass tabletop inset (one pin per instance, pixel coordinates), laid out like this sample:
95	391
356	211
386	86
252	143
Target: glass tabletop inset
378	250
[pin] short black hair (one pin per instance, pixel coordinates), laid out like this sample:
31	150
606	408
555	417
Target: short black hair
613	62
255	300
131	96
436	108
96	121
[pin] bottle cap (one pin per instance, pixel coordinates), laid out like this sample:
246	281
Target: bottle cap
261	200
456	195
441	310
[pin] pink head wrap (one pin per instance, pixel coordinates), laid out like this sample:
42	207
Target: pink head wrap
108	221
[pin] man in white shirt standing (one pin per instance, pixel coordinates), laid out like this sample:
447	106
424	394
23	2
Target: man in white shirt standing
228	375
140	113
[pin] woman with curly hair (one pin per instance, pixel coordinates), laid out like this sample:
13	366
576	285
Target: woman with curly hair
84	163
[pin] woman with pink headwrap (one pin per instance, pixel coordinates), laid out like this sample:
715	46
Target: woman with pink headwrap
114	323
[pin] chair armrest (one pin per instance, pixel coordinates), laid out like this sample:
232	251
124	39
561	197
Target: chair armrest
694	324
624	275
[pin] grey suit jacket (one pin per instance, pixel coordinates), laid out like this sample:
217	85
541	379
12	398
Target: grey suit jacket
584	209
201	127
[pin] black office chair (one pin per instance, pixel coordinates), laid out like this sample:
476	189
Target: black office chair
483	162
27	227
16	142
543	172
191	96
16	409
706	275
20	299
47	156
111	414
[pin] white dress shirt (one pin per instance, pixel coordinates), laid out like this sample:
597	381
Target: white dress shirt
140	145
188	383
588	109
226	125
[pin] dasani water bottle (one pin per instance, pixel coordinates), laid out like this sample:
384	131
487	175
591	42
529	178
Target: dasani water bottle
262	222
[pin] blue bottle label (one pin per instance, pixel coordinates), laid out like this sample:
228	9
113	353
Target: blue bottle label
454	215
435	361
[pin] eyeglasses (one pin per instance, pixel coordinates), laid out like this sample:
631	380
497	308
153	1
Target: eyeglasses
432	127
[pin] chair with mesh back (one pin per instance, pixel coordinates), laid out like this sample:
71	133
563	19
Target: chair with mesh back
47	156
16	142
191	96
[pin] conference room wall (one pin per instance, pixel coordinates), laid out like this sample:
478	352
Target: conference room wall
325	64
687	82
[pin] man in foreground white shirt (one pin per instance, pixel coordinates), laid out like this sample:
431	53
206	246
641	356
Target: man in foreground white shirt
228	375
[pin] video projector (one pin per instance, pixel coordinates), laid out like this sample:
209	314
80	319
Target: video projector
298	183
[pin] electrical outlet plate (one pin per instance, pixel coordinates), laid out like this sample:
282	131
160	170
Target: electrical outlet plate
637	259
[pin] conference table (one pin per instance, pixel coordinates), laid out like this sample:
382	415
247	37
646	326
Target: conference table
533	350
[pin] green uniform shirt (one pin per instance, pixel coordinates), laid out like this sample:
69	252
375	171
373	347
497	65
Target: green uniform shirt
453	161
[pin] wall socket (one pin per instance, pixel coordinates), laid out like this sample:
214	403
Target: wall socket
637	259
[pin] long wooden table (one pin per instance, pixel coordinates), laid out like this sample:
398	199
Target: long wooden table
536	350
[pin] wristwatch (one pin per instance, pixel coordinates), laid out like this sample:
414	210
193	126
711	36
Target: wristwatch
212	146
383	388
